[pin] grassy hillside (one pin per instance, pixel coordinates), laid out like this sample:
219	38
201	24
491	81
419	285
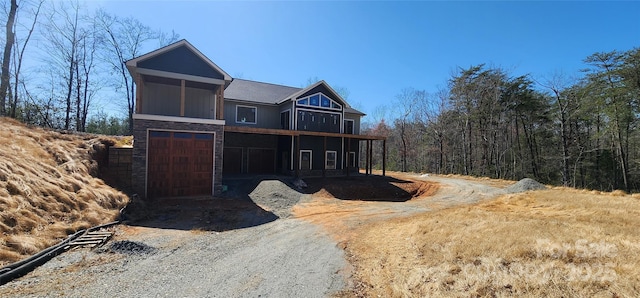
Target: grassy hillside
48	188
551	243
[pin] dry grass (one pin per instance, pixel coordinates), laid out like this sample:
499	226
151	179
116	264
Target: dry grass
48	189
558	243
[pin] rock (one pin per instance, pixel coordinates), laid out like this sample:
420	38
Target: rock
131	248
525	184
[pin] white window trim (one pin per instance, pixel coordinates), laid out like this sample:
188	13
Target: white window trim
310	159
352	159
251	107
287	110
308	98
353	126
326	159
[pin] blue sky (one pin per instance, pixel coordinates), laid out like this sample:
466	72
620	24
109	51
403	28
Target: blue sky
376	49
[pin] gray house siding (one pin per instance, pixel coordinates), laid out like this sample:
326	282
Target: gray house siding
199	103
319	121
266	116
163	99
316	144
181	60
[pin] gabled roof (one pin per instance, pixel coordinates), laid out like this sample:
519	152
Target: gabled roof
267	93
351	110
310	87
133	63
258	92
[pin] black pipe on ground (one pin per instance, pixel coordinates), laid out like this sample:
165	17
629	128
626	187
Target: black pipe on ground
22	267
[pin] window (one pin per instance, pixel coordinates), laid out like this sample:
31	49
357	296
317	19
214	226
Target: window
314	100
330	160
305	159
325	102
352	159
245	114
285	119
321	101
348	126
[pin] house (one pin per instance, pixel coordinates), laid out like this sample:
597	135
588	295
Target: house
194	123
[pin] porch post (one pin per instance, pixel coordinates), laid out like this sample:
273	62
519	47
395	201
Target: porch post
182	97
367	165
220	106
324	157
297	153
384	156
348	155
371	157
139	89
292	155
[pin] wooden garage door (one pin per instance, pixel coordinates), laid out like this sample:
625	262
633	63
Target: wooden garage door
179	164
262	161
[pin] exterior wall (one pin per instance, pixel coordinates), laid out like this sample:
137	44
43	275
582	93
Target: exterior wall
319	121
268	116
181	60
117	170
199	103
248	141
160	99
164	100
139	166
317	145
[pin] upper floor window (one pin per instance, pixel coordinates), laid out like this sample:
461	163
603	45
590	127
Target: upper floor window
348	126
246	114
321	101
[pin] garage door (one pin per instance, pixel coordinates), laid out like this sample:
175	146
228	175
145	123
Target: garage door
262	161
179	164
232	161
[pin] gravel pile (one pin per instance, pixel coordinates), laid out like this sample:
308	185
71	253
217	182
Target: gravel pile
276	196
525	184
131	248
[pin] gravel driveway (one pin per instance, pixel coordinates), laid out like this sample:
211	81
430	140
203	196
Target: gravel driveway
271	258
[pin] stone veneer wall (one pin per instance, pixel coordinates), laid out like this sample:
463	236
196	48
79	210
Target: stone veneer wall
139	166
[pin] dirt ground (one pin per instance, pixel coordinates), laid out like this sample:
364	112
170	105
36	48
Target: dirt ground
264	237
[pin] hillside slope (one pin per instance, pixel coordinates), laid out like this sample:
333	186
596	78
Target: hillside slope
48	188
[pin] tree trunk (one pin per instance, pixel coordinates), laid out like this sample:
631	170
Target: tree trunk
6	61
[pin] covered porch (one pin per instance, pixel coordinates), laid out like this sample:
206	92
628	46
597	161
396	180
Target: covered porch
295	144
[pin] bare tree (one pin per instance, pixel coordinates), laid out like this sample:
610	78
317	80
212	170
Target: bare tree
125	39
406	103
19	58
6	60
558	83
62	34
86	65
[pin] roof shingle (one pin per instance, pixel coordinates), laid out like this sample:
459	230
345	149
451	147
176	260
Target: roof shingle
258	92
